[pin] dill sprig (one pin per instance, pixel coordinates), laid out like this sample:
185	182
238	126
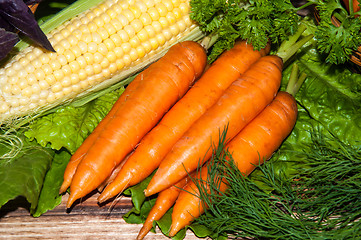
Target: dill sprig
320	202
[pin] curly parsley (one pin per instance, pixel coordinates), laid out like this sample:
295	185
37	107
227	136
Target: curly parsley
257	21
260	21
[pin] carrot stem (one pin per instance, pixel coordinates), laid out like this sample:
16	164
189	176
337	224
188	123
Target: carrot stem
289	47
295	81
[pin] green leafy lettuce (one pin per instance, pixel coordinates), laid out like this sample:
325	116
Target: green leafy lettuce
23	173
70	125
34	158
330	95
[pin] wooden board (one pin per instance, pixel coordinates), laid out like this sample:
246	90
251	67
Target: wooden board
87	220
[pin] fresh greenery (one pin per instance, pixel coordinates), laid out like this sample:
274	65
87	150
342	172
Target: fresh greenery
23	173
340	40
33	158
68	126
260	21
256	21
319	202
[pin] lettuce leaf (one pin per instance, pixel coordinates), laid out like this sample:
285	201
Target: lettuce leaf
143	205
331	95
23	174
43	150
49	196
68	127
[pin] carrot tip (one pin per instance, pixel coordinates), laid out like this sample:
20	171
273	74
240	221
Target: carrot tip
146	193
143	232
115	188
103	197
152	188
63	187
173	230
72	198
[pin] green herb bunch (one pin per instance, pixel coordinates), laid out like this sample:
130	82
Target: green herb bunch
321	202
262	21
340	37
257	21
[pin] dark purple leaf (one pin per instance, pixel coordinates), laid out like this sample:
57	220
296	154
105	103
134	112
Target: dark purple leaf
6	25
17	13
7	42
30	2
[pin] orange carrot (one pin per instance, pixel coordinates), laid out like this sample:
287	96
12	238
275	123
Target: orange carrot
159	87
165	200
88	142
240	103
114	173
255	143
205	92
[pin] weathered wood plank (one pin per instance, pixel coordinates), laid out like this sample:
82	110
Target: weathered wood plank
86	220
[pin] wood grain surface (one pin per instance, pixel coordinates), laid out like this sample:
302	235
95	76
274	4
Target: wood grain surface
86	220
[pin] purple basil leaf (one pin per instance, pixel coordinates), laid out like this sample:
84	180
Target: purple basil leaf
30	2
17	13
6	25
7	42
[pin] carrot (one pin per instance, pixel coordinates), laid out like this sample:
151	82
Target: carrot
240	103
255	143
165	200
158	88
205	92
88	142
114	173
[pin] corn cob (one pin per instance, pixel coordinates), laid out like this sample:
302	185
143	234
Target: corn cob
95	49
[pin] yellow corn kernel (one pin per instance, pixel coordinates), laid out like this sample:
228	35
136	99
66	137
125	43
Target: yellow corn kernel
69	55
43	85
39	73
26	92
74	78
62	60
128	14
66	70
137	25
110	29
81	61
76	50
23	84
116	39
102	49
109	44
153	13
98	57
47	69
111	57
134	42
136	11
31	79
